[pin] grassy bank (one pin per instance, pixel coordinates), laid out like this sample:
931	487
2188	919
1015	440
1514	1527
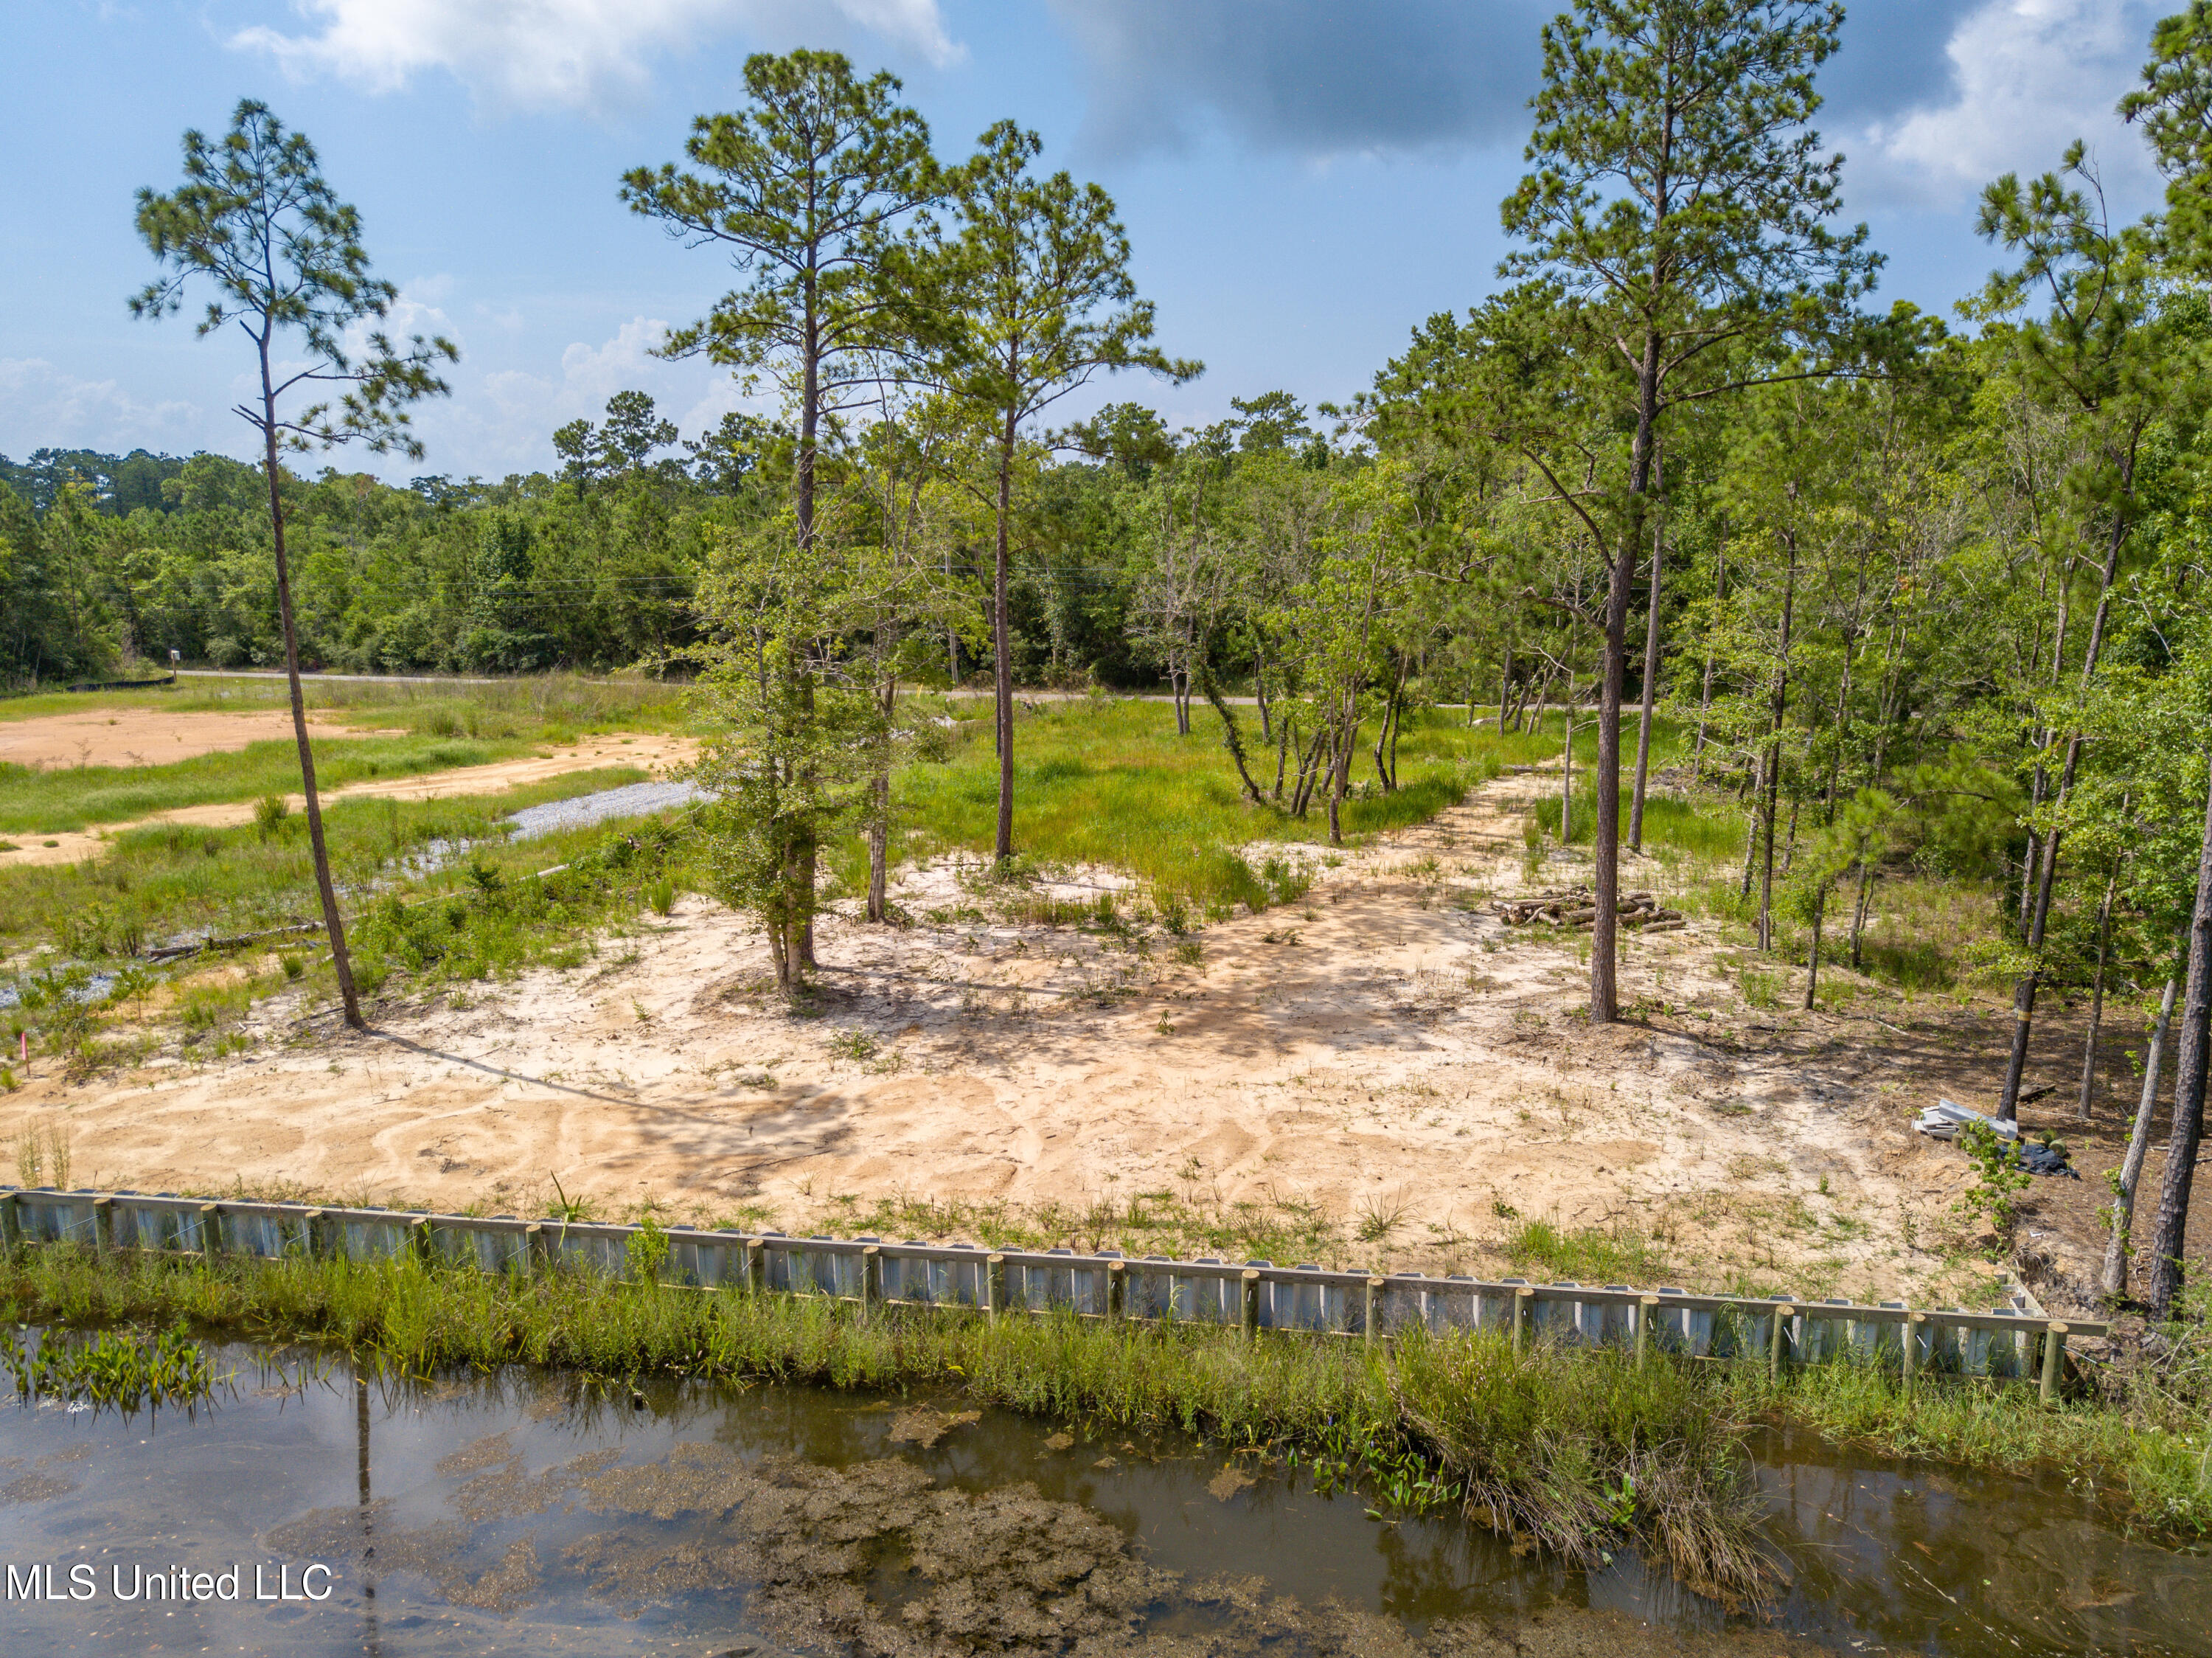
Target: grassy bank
1575	1448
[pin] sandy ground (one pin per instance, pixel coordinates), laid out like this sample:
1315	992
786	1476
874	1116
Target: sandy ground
1388	1057
650	752
153	736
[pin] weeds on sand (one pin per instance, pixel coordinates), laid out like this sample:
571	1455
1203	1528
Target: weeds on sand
1584	1255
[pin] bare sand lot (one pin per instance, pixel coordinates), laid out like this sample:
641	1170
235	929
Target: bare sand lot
1385	1071
155	736
587	753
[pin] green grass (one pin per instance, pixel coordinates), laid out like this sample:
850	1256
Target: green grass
1114	784
1586	1254
1705	829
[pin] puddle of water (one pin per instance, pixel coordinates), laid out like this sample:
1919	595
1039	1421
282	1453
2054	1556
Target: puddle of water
631	801
523	1513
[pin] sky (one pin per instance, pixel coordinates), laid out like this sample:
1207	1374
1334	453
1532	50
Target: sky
1303	181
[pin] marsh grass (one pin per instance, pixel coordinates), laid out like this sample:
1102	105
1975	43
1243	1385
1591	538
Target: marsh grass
1573	1446
105	1370
50	801
445	726
170	878
1562	1446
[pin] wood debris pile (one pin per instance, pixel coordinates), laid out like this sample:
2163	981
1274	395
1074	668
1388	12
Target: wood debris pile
1578	907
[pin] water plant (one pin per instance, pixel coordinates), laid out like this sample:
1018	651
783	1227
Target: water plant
109	1369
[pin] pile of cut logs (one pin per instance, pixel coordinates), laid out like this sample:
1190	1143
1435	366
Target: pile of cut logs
1578	907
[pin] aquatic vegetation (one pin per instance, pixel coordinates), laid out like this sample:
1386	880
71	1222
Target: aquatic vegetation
109	1369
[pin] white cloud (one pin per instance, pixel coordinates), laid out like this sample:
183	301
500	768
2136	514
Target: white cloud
2027	78
575	53
505	420
47	408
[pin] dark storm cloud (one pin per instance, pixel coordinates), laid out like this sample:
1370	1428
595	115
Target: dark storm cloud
1892	59
1326	76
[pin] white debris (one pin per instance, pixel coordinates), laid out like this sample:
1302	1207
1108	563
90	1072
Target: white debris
1943	1120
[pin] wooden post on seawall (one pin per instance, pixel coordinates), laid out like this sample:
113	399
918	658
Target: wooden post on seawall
2054	1349
1249	1314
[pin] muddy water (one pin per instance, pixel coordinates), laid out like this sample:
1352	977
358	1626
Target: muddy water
526	1513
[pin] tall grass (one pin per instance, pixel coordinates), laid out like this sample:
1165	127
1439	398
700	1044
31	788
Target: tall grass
1706	829
480	913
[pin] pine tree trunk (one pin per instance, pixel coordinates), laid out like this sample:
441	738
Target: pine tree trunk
2097	993
326	889
2113	1282
1705	696
1774	751
1650	691
2189	1077
1002	648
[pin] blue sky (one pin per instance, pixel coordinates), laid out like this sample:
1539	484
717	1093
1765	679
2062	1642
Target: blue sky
1304	181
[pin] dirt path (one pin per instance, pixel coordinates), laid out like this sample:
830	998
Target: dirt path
1386	1070
587	753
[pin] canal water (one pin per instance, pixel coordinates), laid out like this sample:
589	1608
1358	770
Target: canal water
311	1511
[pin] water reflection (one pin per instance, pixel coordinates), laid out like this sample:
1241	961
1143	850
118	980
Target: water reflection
518	1513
